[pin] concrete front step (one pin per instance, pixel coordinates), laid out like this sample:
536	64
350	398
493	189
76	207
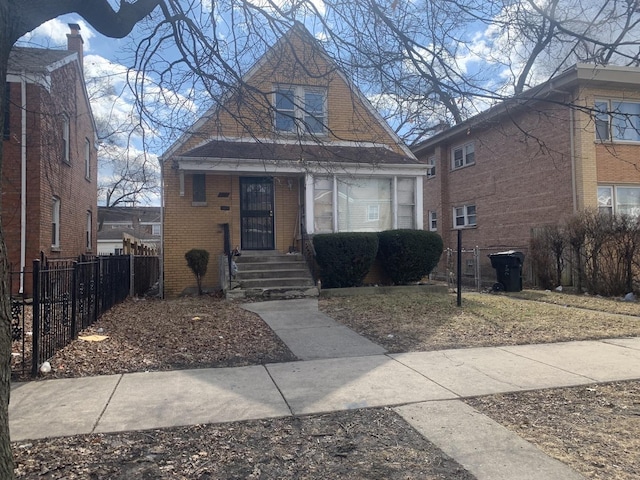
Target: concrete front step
276	282
273	293
272	258
271	273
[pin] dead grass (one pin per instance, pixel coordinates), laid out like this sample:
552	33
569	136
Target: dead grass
420	322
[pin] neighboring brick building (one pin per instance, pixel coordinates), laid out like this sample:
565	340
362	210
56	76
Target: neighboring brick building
536	159
49	184
297	146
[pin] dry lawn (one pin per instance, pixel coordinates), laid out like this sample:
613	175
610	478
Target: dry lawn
419	322
595	429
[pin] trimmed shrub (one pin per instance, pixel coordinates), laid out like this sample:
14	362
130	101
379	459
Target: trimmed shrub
408	255
345	258
197	261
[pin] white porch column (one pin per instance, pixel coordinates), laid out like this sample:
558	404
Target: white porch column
308	203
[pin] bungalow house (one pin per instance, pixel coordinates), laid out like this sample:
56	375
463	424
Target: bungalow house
569	144
294	150
49	179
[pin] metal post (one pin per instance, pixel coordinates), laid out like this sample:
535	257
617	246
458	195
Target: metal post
74	301
132	275
36	318
459	300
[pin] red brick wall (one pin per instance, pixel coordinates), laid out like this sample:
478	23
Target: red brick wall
521	179
47	174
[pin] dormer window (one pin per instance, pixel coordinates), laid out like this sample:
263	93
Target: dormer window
300	109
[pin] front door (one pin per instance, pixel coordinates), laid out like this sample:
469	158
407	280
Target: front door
256	213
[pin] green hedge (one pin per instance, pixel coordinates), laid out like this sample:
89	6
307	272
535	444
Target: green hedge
408	255
345	258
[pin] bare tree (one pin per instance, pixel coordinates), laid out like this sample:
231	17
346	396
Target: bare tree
425	64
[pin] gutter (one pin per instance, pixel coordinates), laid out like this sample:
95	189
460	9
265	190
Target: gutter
23	180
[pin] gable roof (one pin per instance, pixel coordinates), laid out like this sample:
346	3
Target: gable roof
38	60
305	35
126	214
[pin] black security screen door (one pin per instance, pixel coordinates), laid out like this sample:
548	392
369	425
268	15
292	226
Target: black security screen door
256	213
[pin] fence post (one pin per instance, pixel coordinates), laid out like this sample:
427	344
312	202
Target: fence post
459	299
36	318
74	300
96	272
132	275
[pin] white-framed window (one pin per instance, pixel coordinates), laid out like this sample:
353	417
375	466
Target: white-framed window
431	167
406	202
464	216
363	204
433	221
373	213
55	222
155	229
66	138
617	120
88	230
300	109
619	200
463	155
87	159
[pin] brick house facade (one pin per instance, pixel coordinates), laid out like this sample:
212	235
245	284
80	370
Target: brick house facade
535	160
49	184
294	146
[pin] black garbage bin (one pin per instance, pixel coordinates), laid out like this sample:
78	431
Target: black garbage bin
508	267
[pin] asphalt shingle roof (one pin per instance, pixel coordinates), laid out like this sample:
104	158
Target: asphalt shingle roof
293	152
35	60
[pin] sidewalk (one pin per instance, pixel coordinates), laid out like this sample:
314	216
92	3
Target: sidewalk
425	386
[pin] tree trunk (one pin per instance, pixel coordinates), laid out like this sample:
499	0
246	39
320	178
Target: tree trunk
6	457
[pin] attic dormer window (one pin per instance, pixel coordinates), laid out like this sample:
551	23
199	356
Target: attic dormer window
300	109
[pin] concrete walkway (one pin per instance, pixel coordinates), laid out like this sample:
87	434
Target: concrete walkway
424	387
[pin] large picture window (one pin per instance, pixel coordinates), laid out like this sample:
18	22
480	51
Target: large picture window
363	204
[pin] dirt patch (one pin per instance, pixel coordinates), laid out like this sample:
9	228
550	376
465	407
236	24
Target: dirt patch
365	444
154	335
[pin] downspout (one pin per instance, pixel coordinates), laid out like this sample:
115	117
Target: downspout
574	192
161	259
23	181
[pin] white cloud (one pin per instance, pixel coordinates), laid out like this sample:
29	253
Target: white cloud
53	34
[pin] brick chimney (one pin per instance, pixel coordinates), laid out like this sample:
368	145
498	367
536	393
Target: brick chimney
75	42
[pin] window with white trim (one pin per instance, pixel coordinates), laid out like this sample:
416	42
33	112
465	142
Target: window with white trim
431	167
617	120
433	221
155	229
619	200
66	138
406	202
464	216
88	230
373	213
87	159
301	110
55	222
363	204
463	156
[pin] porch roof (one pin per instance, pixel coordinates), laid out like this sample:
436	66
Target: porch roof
307	153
